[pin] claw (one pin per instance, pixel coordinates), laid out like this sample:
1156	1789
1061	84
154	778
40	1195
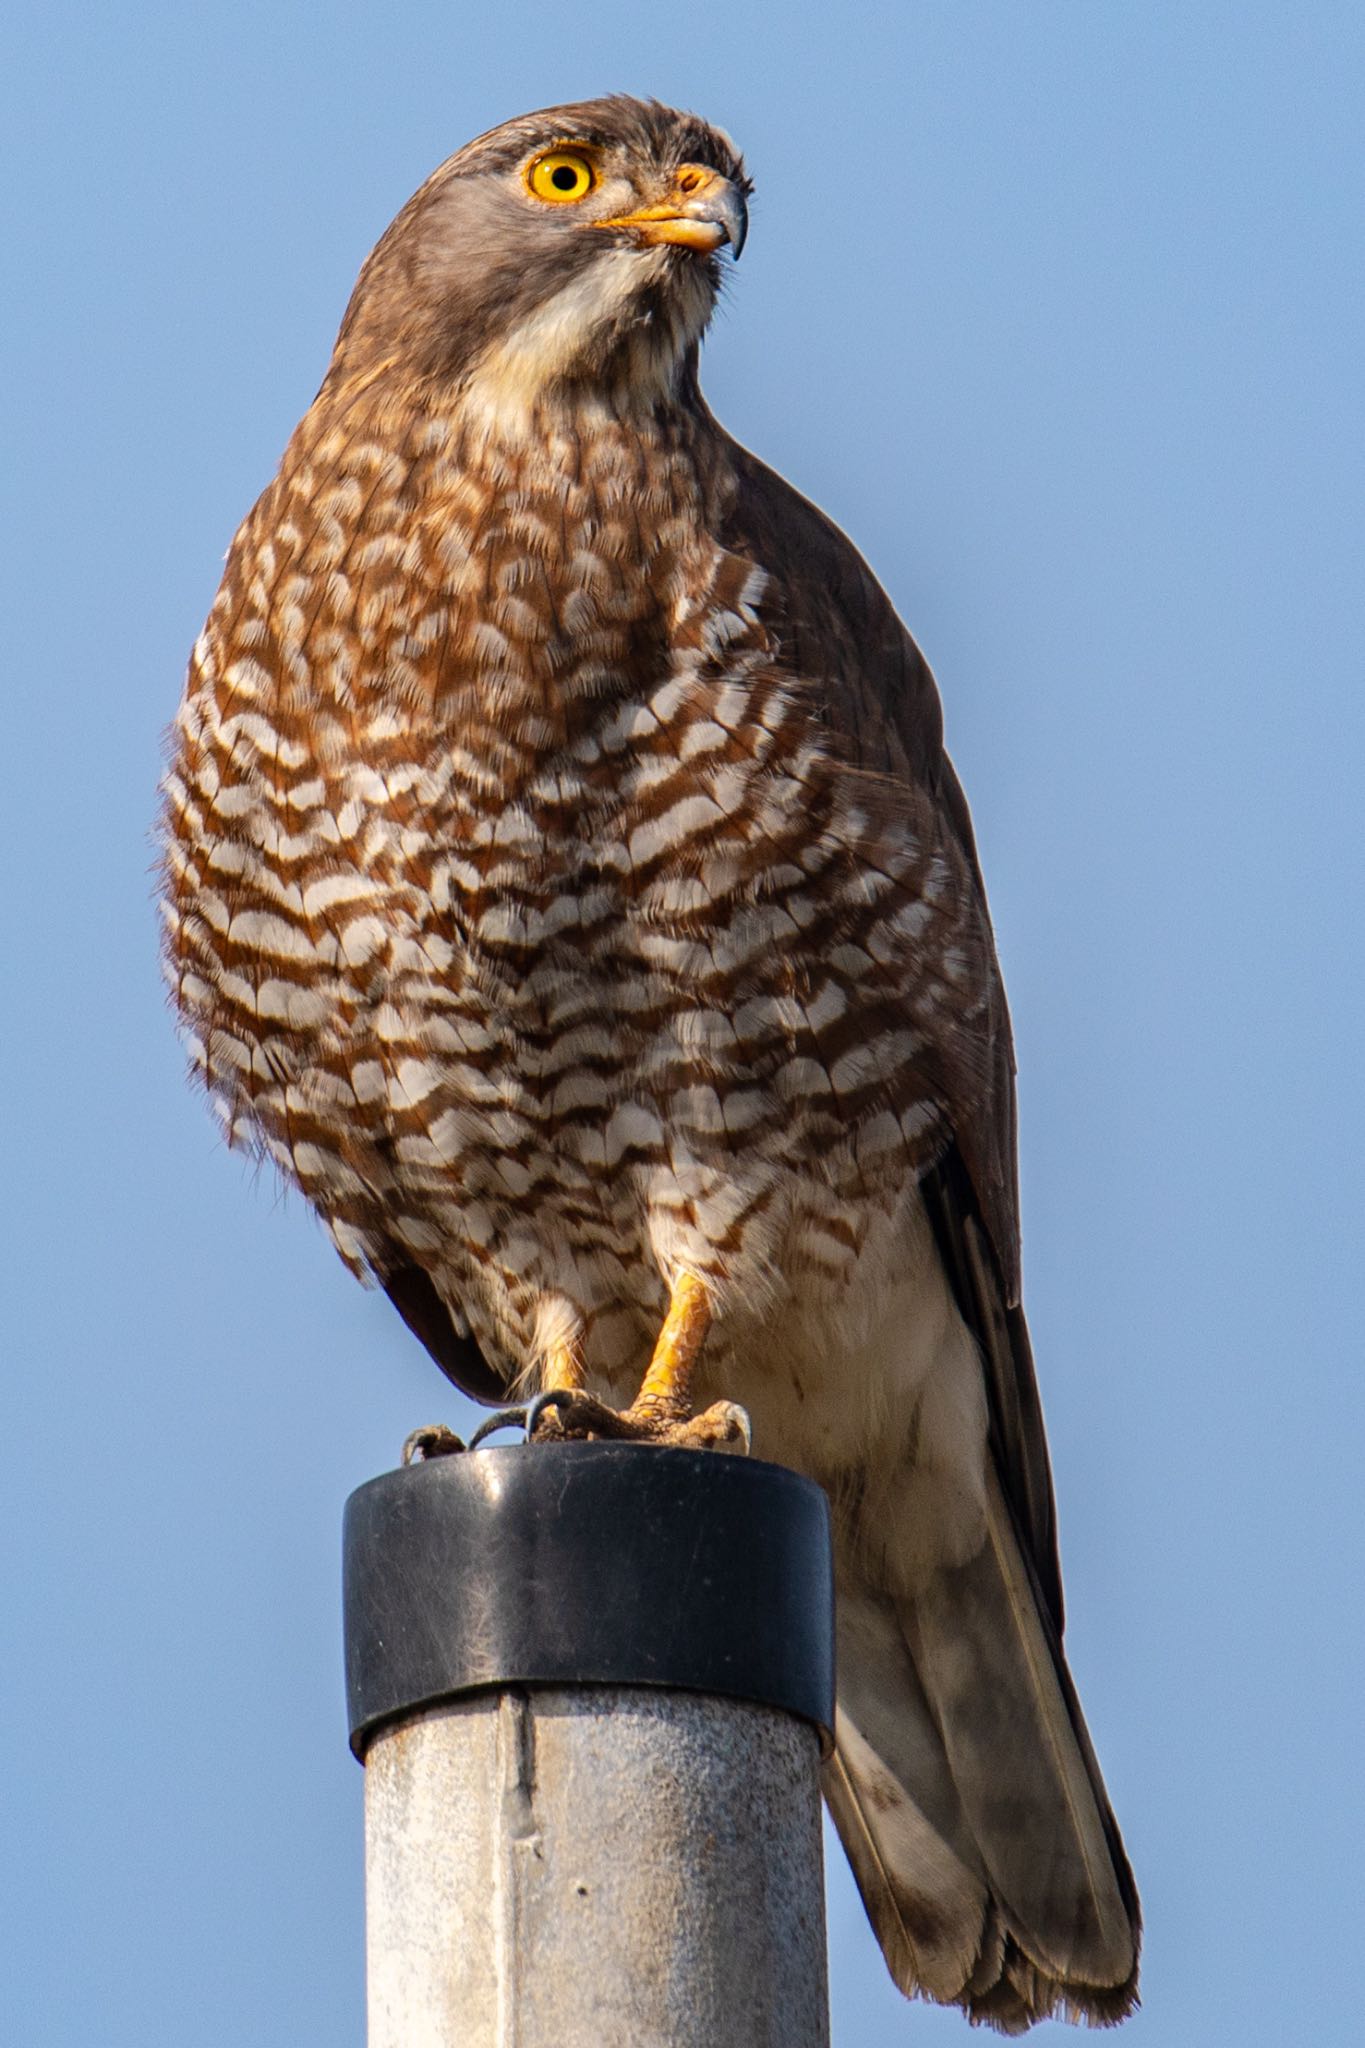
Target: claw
503	1418
434	1441
545	1404
575	1414
723	1427
570	1415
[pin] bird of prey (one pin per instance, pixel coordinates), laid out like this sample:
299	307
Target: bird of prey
566	885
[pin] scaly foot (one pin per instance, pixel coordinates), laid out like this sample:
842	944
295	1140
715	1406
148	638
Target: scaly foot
565	1416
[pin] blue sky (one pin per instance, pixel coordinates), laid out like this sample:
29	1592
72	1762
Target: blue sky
1058	309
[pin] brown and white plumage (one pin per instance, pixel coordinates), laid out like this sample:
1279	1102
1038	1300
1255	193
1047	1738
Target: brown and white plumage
567	887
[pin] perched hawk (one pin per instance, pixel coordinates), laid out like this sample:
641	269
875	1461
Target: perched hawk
566	885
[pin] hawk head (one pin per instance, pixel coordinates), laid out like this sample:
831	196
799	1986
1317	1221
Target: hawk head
573	247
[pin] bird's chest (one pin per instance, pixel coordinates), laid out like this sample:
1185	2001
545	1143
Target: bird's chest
590	952
511	900
474	794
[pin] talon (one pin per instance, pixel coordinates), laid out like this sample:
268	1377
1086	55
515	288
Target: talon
548	1405
435	1441
503	1418
564	1412
725	1426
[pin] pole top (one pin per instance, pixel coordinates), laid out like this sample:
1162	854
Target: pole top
587	1564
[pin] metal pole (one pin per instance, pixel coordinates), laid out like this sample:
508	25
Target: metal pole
590	1684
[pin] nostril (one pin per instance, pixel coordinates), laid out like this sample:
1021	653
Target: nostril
689	180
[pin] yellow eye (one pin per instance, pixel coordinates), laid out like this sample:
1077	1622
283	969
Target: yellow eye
561	176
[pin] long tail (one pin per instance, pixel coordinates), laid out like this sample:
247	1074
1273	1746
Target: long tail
967	1795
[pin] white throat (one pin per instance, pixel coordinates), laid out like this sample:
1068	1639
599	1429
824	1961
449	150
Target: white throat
510	382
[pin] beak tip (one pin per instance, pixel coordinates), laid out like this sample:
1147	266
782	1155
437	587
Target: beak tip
736	223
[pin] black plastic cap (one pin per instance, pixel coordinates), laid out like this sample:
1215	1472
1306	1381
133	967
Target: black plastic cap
587	1564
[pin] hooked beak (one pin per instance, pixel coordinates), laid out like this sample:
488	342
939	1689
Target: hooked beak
702	211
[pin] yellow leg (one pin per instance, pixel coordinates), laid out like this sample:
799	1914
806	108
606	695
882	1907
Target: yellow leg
661	1412
666	1391
563	1368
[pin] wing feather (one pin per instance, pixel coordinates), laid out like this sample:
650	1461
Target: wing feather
839	632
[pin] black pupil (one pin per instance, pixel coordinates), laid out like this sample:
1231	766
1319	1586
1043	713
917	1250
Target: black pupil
564	177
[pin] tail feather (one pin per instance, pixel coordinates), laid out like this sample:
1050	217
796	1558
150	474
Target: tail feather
966	1793
915	1864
